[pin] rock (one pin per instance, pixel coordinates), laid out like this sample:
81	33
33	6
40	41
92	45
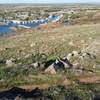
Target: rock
71	43
66	63
50	69
94	66
88	56
27	56
75	65
35	65
12	59
32	44
75	53
9	63
69	56
59	64
81	57
84	54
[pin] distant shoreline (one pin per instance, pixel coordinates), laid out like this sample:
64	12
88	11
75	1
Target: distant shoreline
2	23
41	4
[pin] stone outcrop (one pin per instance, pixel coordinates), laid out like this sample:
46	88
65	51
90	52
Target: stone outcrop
58	64
74	60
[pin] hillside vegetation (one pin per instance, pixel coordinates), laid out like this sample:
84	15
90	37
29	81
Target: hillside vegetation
25	49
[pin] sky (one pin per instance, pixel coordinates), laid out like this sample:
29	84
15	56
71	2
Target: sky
49	1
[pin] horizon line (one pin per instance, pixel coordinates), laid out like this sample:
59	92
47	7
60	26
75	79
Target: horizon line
50	3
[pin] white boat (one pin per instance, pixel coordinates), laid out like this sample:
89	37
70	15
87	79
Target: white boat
23	26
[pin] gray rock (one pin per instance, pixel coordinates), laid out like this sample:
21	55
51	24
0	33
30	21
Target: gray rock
75	53
69	56
9	63
51	69
28	55
35	65
66	63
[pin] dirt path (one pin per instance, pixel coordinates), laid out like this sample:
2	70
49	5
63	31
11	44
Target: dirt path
89	80
84	80
31	87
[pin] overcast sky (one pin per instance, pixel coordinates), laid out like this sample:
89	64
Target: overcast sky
48	1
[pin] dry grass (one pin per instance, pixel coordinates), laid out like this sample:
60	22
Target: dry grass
54	42
57	42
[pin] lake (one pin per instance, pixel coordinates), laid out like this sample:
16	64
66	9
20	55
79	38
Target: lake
5	29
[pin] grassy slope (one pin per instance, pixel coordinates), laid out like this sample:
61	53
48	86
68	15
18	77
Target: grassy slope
53	42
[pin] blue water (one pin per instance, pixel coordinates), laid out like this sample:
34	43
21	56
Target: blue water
5	29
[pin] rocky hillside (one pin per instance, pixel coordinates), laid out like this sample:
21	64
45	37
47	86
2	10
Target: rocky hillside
52	55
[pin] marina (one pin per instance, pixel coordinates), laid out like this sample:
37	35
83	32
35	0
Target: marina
4	29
